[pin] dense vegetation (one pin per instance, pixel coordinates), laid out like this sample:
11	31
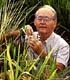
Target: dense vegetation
17	63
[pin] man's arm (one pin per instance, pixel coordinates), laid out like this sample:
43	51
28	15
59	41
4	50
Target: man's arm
60	67
38	48
62	56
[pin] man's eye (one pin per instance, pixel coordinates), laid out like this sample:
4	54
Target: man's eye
39	17
46	18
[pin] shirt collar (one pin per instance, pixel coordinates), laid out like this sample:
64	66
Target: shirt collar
49	38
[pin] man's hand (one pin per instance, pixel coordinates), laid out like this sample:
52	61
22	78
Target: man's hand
29	30
37	47
59	67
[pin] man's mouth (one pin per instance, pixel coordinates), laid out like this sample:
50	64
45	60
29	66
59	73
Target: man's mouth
42	27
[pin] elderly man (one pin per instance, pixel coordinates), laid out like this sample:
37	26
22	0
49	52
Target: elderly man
45	22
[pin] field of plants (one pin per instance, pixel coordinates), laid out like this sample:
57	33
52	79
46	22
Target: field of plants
16	63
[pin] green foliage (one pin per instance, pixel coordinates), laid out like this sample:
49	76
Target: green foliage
22	65
2	3
44	64
25	67
11	73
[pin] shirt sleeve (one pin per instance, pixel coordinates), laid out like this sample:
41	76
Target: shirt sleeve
63	54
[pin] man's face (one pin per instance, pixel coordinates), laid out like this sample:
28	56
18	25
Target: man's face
44	21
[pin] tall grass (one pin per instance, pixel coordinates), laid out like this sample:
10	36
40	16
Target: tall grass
23	65
25	68
44	65
12	15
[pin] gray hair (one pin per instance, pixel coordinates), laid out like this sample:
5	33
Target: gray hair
51	8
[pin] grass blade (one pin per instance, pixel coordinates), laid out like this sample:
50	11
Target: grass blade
43	65
11	75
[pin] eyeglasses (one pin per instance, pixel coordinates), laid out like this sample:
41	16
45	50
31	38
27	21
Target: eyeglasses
45	18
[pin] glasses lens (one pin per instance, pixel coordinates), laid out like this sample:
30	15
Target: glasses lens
46	18
39	17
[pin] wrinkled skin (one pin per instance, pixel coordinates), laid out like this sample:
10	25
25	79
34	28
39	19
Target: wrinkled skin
37	47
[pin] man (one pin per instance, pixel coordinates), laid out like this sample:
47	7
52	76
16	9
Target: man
45	22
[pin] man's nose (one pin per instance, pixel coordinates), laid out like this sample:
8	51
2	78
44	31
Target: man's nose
42	22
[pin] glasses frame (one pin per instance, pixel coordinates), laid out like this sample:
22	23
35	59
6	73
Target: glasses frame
45	18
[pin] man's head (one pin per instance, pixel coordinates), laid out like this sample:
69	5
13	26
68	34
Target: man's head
45	20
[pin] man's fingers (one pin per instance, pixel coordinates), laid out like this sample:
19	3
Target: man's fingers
31	43
29	30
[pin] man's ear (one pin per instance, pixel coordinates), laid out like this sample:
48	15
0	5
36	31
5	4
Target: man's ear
35	22
55	23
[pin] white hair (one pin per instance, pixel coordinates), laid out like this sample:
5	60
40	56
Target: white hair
51	8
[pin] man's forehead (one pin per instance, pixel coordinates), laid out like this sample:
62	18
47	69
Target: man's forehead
44	11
